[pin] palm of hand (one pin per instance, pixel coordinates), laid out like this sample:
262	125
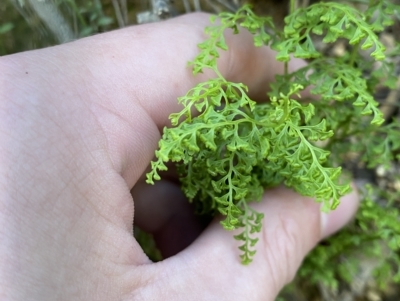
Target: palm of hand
80	129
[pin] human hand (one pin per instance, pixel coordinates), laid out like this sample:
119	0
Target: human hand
79	124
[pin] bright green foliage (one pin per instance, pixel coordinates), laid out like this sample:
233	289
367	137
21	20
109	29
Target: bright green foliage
382	11
333	20
229	148
375	233
244	18
234	148
384	142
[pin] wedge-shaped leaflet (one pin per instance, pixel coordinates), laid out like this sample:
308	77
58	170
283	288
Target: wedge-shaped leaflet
207	136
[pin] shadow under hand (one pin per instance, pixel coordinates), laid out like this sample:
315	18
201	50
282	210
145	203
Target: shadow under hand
163	211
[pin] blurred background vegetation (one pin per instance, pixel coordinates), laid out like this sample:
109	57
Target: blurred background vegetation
33	24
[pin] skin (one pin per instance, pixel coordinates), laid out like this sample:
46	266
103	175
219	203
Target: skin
79	124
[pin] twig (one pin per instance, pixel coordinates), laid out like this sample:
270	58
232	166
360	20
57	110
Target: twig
53	19
196	5
186	4
118	14
124	7
226	4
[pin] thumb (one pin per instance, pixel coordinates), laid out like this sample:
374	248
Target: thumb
292	226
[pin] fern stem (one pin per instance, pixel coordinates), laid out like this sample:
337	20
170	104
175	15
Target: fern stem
286	72
353	54
354	51
218	74
292	6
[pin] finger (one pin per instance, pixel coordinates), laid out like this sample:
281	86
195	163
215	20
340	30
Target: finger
132	78
292	226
